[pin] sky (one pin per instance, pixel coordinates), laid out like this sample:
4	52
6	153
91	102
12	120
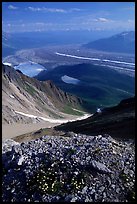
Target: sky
67	16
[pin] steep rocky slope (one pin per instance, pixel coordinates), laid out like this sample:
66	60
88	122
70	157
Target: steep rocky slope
30	96
118	121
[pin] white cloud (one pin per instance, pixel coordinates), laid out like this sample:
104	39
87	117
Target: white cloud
22	25
75	9
11	7
130	21
104	20
33	9
132	8
57	10
46	9
53	10
40	24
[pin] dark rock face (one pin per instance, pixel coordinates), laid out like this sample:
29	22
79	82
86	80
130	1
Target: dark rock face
69	169
118	121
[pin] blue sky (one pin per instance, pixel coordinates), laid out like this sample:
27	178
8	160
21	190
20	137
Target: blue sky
53	16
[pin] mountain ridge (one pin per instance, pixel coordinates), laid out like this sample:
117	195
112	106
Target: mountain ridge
122	43
20	92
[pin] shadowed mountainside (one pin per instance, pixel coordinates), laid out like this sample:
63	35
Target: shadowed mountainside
95	84
118	121
123	43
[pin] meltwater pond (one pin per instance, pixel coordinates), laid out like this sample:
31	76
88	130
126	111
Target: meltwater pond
30	69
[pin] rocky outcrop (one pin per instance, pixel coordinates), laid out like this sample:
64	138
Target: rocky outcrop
74	168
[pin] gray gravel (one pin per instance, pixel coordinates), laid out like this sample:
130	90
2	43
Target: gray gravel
77	168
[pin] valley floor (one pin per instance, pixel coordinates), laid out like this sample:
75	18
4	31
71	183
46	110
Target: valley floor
12	130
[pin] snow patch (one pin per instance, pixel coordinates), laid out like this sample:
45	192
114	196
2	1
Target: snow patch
21	160
12	96
77	57
125	69
7	63
53	120
70	80
118	62
94	59
39	70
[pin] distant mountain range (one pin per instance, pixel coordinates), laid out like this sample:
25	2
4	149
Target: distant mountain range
12	42
8	48
122	43
117	121
97	85
18	41
21	93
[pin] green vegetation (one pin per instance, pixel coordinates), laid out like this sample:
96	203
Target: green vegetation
4	171
123	176
30	89
131	195
67	109
97	150
130	192
71	151
48	180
